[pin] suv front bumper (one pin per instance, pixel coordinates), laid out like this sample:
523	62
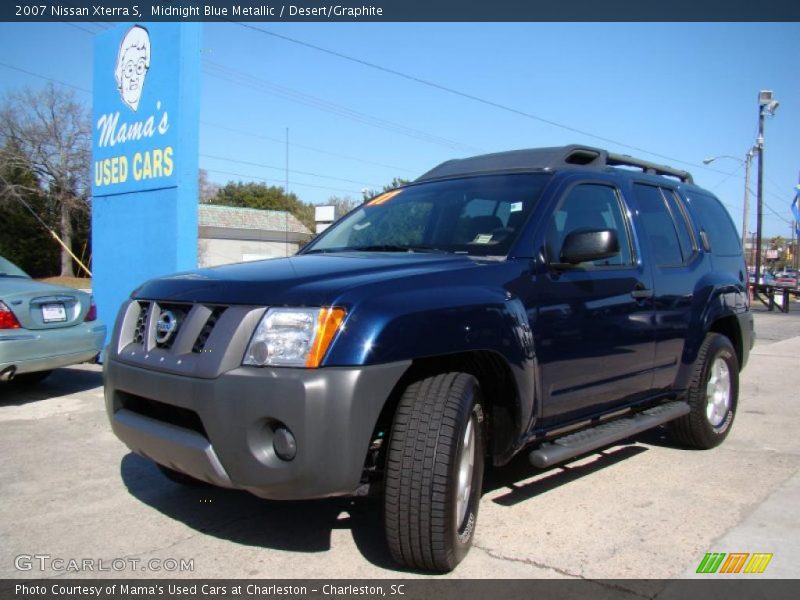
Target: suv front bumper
221	430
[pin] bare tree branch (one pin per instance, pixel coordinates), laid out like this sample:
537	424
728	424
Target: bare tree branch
49	133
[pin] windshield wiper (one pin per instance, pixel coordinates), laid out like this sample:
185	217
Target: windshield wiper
396	248
378	248
323	250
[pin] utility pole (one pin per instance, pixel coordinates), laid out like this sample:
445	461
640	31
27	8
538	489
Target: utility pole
796	227
766	106
759	188
286	190
748	161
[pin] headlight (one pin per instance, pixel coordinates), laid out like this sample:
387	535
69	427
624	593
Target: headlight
293	337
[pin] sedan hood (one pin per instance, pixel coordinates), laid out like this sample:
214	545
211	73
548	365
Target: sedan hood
310	280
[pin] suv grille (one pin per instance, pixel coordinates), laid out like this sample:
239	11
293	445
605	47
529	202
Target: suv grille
200	342
171	316
170	319
141	323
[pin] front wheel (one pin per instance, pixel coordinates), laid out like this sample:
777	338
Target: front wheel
712	395
434	472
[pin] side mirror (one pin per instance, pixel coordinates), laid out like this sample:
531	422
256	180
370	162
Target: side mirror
589	245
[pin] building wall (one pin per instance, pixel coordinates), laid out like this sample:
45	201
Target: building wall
212	252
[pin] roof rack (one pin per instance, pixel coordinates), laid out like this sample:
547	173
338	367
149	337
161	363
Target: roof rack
549	159
623	160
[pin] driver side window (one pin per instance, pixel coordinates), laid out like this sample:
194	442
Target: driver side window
588	207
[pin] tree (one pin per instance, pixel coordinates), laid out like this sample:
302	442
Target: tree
24	240
779	243
49	132
396	183
259	195
206	189
342	205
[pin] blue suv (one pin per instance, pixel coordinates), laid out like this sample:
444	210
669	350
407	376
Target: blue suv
549	301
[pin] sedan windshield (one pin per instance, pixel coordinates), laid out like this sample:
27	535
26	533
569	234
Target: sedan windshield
479	216
9	269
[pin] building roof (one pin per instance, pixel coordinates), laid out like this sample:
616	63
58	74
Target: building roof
233	217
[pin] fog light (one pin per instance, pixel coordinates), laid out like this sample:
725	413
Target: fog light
260	353
284	444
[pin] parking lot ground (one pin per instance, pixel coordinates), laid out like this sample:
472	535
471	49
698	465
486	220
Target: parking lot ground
642	509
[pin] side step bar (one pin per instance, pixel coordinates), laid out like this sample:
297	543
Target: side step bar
584	441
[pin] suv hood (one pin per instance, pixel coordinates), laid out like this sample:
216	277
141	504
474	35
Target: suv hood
303	280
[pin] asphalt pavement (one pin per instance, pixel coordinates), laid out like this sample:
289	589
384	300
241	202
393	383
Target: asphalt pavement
642	509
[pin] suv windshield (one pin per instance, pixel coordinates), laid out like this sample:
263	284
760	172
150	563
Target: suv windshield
9	269
480	216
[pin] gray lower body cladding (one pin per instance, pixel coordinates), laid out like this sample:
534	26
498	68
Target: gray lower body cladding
221	430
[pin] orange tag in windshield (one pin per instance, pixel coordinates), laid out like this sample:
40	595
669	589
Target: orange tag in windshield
383	198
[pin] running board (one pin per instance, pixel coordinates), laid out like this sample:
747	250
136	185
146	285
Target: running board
584	441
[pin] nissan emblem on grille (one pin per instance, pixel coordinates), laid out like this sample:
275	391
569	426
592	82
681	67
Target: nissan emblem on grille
165	326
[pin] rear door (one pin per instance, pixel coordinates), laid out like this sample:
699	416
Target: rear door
671	249
593	326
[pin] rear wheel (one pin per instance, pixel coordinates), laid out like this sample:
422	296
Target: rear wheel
712	395
434	472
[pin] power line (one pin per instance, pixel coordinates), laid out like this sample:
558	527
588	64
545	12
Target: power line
304	147
255	164
252	82
77	26
50	79
310	185
728	176
769	208
59	82
466	95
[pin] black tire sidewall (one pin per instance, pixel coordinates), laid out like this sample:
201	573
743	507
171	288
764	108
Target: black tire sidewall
720	347
461	538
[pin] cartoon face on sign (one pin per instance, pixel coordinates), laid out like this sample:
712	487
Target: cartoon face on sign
133	61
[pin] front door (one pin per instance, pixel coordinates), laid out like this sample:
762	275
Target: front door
593	323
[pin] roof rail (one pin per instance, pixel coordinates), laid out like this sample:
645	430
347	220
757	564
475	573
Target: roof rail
548	159
595	157
623	160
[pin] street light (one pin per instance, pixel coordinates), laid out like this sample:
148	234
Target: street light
767	105
748	159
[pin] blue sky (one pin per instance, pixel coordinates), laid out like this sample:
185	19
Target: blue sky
679	91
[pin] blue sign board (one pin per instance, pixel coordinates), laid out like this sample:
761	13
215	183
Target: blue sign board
144	156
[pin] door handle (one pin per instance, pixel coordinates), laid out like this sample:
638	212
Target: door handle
641	293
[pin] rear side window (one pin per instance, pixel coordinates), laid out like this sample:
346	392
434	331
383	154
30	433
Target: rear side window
659	226
717	223
685	236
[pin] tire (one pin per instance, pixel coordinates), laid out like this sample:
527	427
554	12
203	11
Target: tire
181	478
711	414
426	526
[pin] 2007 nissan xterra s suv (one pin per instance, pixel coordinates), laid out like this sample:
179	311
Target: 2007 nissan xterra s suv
549	301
